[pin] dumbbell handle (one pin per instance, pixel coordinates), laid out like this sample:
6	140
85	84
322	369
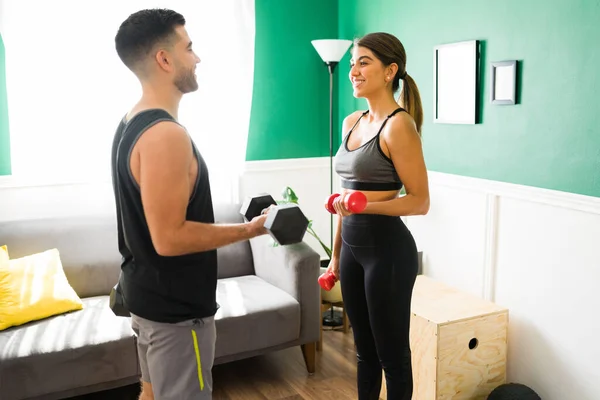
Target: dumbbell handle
354	202
327	281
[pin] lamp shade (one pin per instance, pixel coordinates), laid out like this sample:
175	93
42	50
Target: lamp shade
331	50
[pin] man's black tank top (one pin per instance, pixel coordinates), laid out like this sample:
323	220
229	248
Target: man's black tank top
158	288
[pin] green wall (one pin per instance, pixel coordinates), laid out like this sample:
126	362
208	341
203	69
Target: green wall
290	106
4	134
550	139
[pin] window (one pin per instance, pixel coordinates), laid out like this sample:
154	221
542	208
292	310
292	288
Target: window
4	133
67	88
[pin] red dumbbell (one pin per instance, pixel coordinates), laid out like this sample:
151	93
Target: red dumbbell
354	202
329	203
327	281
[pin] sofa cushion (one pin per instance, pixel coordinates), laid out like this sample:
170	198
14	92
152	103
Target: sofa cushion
34	287
82	348
234	259
253	314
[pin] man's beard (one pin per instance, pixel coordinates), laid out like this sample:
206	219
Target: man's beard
186	82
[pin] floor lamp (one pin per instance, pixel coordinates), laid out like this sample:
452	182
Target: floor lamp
331	52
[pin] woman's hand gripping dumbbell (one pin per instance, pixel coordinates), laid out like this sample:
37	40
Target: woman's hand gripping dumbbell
355	202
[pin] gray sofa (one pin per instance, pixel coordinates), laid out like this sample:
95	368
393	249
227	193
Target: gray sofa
268	296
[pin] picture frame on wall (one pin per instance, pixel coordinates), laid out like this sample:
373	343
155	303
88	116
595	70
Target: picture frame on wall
503	82
456	79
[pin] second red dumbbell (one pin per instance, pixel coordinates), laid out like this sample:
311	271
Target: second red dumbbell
354	202
327	281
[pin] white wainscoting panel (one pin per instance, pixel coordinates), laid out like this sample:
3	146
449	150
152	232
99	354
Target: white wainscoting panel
534	251
547	274
452	237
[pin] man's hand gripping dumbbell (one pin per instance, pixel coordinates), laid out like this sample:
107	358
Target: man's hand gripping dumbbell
286	223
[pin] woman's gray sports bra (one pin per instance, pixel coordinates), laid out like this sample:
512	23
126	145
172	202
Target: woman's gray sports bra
367	167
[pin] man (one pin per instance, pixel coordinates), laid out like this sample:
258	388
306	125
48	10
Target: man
166	230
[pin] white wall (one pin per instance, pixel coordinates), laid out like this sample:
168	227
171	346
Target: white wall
534	251
28	200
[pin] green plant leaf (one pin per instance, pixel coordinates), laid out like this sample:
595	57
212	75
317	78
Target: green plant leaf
289	195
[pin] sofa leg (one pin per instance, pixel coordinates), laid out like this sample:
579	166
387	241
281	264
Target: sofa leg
309	350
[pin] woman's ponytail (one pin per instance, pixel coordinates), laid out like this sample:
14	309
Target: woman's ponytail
410	100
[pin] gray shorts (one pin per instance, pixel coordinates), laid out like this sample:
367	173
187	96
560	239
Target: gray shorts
177	359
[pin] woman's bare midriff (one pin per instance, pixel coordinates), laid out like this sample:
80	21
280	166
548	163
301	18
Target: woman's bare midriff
376	196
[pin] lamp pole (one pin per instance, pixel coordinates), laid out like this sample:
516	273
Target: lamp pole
331	66
331	52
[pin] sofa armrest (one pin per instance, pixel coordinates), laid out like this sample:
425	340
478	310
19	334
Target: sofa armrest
294	269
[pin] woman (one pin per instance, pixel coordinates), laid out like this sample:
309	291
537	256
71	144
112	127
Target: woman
375	256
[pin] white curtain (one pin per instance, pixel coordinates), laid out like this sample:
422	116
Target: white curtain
67	88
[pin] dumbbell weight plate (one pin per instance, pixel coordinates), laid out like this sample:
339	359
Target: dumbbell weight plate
329	203
253	205
287	224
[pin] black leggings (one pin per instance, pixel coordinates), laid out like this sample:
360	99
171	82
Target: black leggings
378	268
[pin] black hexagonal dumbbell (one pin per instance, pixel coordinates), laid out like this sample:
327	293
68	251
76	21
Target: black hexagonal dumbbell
286	223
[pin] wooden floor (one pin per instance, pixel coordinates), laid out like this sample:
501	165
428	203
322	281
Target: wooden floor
282	375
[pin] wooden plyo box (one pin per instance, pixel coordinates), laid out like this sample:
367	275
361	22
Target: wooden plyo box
458	343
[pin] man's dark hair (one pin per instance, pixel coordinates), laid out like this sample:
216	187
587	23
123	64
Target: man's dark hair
139	34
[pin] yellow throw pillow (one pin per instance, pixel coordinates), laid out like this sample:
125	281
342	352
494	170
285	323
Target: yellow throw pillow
33	288
3	254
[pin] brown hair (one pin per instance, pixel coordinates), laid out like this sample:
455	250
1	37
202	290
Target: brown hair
142	31
388	49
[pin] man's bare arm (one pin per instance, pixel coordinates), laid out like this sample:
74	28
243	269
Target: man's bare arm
164	157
